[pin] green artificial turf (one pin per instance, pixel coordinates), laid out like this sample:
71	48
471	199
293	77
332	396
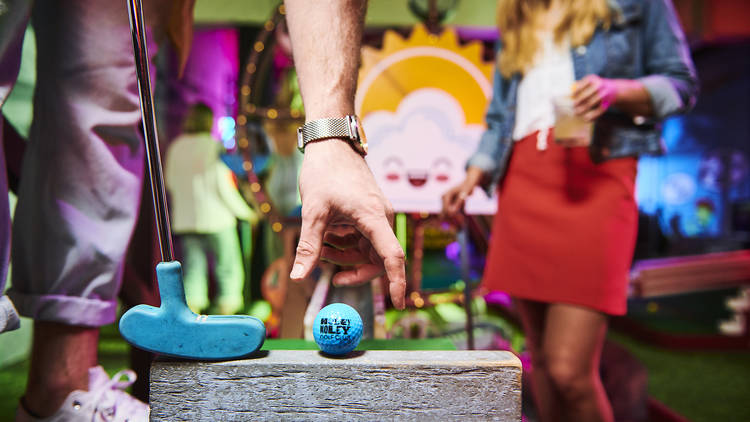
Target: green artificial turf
371	344
700	385
12	384
703	386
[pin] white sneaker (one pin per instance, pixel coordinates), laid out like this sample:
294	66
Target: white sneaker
105	401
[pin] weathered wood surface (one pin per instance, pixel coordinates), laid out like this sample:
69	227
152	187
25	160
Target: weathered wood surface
372	385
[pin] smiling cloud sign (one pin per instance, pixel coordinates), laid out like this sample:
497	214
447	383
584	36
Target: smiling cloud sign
422	101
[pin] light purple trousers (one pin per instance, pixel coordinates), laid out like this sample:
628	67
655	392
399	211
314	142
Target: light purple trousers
81	179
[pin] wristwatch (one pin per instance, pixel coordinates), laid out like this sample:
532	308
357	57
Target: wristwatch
346	128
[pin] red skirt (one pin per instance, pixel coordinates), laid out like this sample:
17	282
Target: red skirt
565	228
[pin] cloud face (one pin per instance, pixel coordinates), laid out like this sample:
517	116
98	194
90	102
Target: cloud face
419	152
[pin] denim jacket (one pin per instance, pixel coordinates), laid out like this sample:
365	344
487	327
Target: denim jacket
644	42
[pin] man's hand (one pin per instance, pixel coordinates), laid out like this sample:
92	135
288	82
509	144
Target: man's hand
338	191
343	206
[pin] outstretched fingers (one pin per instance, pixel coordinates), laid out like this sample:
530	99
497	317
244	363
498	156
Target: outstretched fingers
380	234
314	222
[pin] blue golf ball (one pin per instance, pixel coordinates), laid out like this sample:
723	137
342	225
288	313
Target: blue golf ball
337	329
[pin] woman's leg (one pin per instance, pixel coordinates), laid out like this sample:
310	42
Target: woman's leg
572	341
533	317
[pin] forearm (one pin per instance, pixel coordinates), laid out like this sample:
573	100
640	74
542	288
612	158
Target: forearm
336	186
632	98
326	38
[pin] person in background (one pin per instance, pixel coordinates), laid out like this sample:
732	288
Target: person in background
78	197
578	94
205	206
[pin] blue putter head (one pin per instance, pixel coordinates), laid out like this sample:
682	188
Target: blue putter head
174	330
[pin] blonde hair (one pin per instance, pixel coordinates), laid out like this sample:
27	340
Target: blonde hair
519	22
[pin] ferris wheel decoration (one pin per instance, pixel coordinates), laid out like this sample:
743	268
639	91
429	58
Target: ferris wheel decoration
251	141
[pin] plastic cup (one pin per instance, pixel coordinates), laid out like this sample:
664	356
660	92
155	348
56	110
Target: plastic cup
571	130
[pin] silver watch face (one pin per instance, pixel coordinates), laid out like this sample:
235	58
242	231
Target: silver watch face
359	140
300	139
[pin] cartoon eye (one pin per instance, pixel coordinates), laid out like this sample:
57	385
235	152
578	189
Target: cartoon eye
393	168
441	168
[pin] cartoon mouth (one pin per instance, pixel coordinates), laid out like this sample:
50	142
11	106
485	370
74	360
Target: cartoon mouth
417	178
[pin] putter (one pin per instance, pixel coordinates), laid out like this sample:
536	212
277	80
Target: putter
173	329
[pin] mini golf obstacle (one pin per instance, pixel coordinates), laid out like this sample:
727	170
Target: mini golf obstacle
365	385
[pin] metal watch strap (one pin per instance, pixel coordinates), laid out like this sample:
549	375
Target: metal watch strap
325	128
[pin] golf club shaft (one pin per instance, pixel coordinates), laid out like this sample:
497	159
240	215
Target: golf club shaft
138	31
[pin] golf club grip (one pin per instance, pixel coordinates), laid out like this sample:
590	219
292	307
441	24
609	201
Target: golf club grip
140	50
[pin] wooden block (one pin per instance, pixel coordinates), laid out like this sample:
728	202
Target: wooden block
370	385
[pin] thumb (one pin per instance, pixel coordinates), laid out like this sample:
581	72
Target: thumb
310	243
